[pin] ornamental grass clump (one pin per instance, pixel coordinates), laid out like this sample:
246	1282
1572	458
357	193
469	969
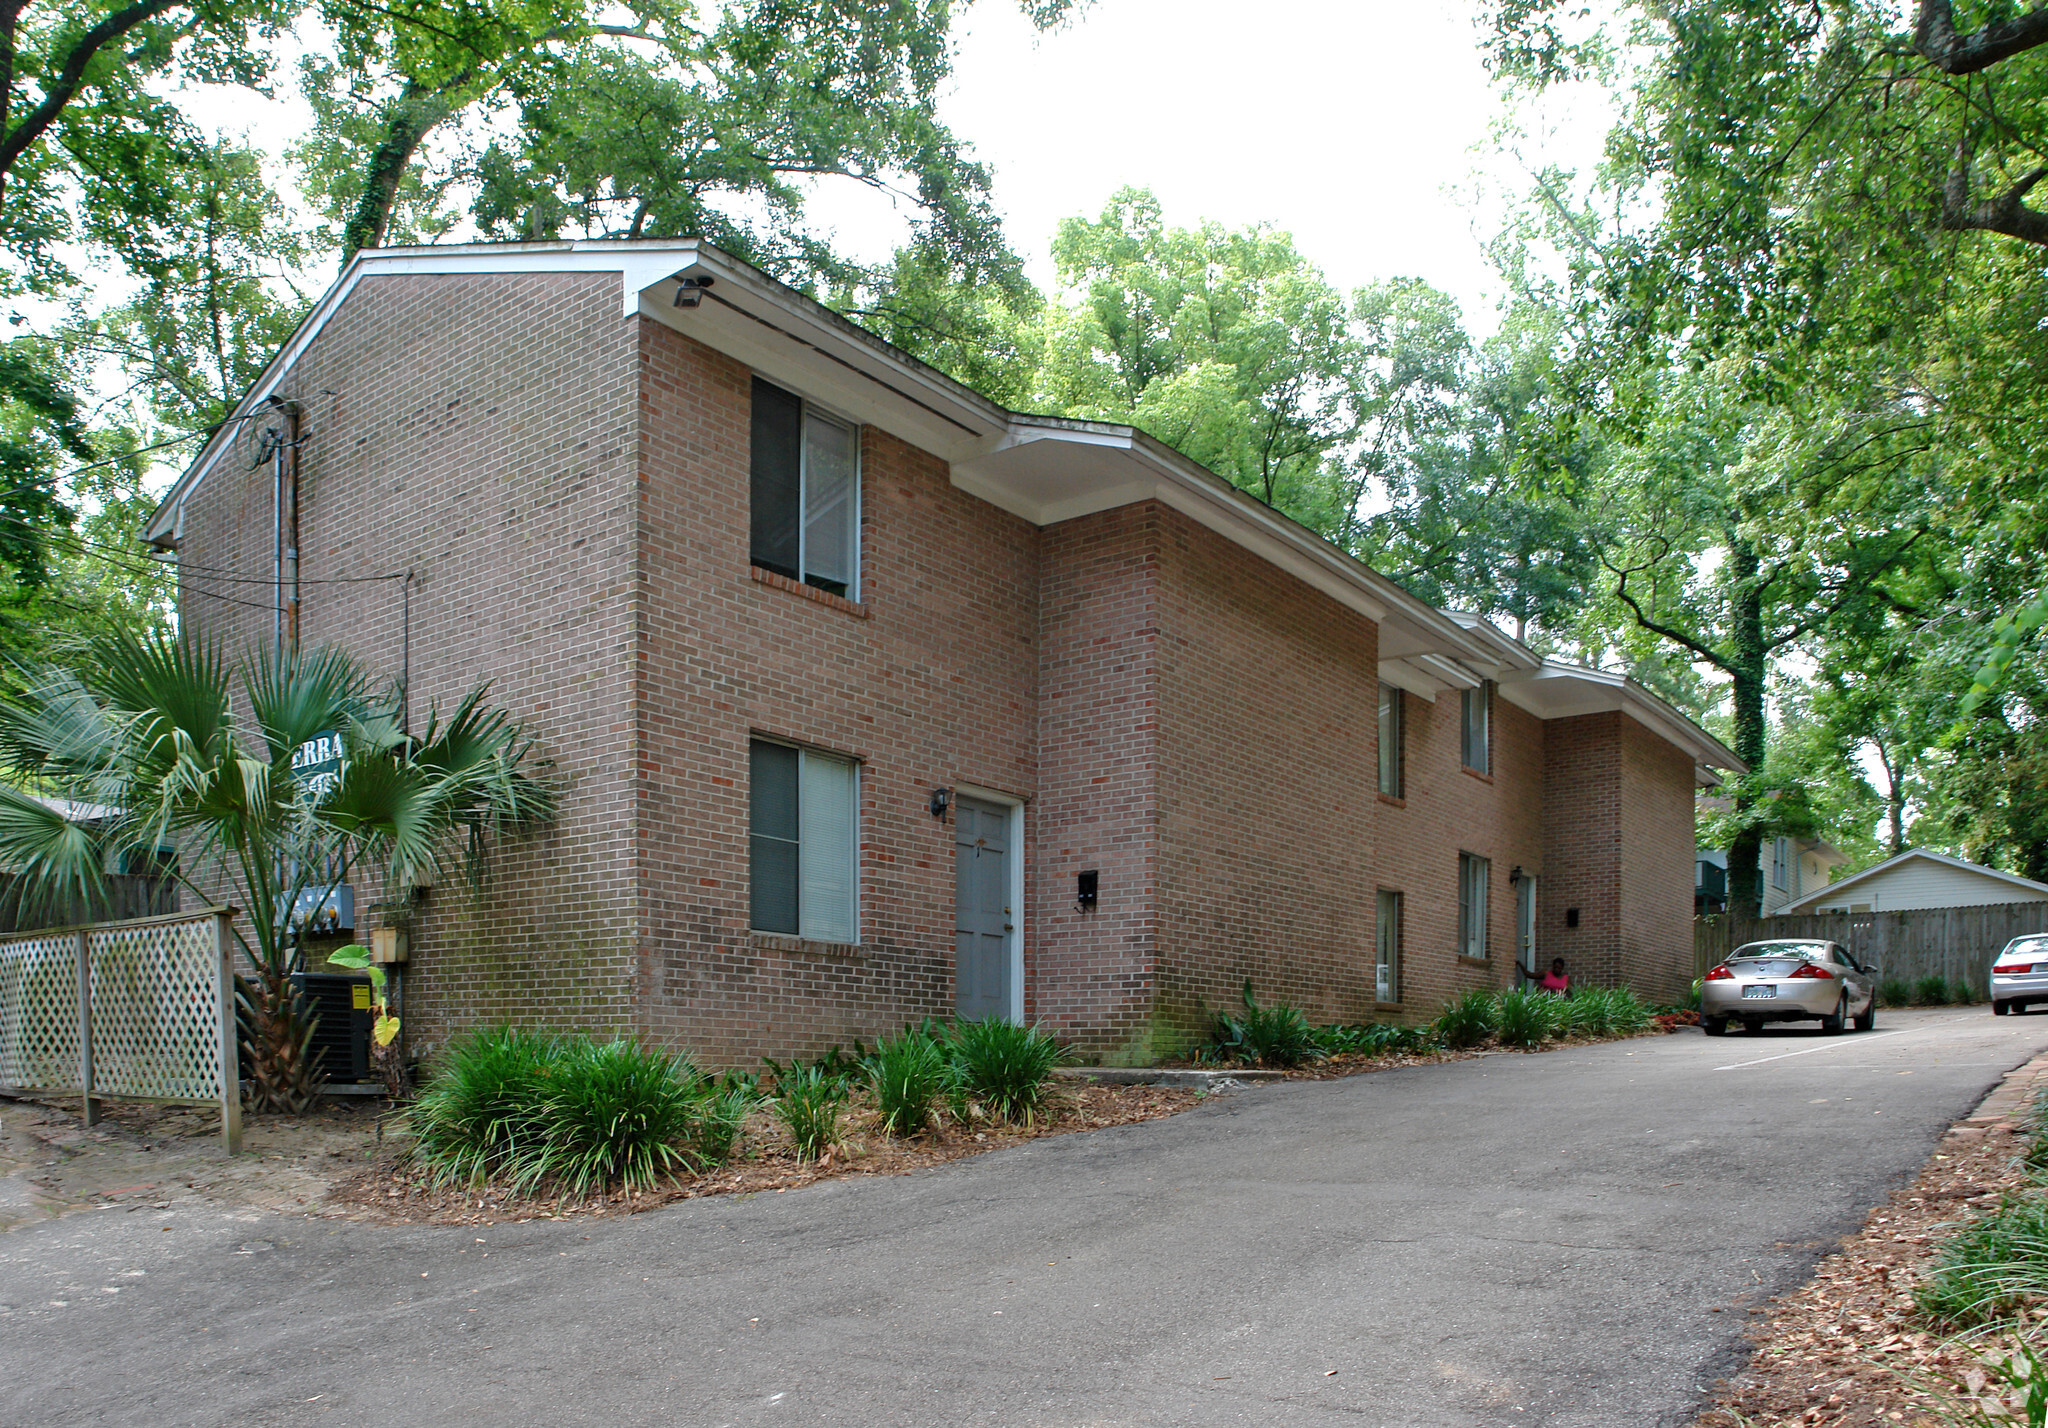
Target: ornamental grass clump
1528	1018
1372	1039
1277	1036
1931	992
1007	1068
1895	992
731	1100
484	1108
1994	1268
564	1113
911	1076
1468	1019
808	1102
615	1115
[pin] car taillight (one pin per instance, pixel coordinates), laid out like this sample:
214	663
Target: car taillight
1720	974
2006	969
1810	970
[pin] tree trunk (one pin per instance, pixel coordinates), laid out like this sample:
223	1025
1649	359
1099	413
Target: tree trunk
1746	669
413	116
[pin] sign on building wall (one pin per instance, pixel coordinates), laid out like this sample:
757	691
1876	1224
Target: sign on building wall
316	764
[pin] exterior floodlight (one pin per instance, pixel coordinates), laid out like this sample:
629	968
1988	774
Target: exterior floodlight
690	291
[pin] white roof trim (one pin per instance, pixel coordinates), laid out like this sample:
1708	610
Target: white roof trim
1834	889
1045	469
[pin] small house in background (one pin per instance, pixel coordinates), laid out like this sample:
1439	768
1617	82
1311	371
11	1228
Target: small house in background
1917	878
1788	867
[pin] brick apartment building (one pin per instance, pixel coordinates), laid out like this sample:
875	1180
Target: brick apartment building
769	593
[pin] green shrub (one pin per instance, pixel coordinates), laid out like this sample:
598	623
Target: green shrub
1468	1019
1277	1036
1627	1013
1528	1018
1930	992
1963	994
732	1099
808	1102
615	1114
1895	992
1371	1039
834	1065
1007	1067
1993	1268
483	1108
910	1076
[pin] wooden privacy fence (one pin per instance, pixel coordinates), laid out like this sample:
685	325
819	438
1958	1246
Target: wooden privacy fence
123	897
1955	943
142	1010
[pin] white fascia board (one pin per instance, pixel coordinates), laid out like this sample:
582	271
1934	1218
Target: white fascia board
637	266
803	345
1452	674
1508	652
1403	674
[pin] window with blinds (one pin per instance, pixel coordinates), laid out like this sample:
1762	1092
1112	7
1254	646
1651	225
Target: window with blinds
804	843
804	492
1393	752
1473	872
1476	706
1388	969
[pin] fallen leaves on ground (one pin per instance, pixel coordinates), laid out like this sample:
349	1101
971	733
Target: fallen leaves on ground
395	1191
1848	1350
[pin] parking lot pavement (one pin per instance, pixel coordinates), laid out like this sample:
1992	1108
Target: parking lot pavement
1506	1240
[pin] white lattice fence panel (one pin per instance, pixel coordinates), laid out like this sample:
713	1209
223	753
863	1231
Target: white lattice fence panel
155	1009
39	1012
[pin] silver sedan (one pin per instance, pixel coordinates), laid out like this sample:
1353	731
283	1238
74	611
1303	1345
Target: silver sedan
1796	979
2019	975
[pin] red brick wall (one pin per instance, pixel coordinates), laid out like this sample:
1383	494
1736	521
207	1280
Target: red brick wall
1268	721
1093	975
930	681
1582	813
477	431
1448	809
1657	857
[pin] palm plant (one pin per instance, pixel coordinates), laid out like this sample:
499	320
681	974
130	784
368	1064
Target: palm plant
156	741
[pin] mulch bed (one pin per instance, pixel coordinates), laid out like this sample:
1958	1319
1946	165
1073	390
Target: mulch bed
396	1192
1848	1350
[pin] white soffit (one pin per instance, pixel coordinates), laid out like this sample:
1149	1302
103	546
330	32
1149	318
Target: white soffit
1564	691
799	344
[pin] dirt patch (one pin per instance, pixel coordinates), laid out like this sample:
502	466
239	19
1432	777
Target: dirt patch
395	1192
52	1164
1848	1349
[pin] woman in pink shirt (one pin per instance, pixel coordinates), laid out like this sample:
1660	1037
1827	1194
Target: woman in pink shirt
1555	980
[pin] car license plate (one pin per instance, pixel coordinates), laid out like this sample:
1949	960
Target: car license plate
1757	994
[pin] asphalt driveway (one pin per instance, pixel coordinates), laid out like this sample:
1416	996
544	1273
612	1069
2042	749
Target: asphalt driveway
1508	1240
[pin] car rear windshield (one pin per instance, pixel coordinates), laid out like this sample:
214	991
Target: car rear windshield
1779	949
2026	947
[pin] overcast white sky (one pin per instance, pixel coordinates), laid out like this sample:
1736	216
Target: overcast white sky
1348	125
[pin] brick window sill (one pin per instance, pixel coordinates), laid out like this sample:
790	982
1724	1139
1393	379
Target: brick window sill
803	947
809	592
1474	961
1475	773
1393	800
1386	1006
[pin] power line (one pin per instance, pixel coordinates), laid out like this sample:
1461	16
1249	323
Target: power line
79	545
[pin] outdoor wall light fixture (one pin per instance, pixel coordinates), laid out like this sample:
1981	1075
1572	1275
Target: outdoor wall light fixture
1571	917
1515	873
1086	890
690	291
942	799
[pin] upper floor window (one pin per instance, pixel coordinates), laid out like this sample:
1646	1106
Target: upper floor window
1781	856
1391	739
805	493
804	837
1476	706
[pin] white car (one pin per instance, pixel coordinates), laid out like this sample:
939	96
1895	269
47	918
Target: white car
1791	979
2019	975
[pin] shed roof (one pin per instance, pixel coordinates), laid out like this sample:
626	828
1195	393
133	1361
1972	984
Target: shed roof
2022	889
